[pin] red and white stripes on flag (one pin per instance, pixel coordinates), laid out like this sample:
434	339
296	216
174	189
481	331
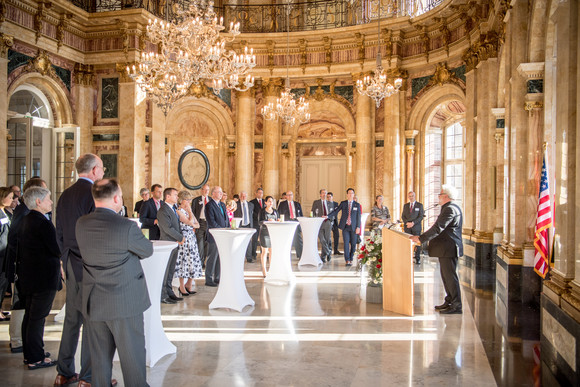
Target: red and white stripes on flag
544	221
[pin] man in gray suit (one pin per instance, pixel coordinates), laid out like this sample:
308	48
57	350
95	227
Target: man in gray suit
320	208
114	290
168	223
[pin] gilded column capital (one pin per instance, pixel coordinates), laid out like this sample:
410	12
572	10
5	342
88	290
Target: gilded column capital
250	93
84	74
272	87
123	74
6	42
531	105
498	135
410	149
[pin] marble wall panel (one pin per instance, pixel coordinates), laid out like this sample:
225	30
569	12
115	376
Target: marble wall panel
258	168
321	150
379	169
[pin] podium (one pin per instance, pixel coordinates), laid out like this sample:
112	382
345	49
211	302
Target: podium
398	279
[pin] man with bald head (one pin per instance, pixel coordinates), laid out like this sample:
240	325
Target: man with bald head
217	217
198	208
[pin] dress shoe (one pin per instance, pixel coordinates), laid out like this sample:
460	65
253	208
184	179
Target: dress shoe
16	349
62	380
251	260
348	263
168	301
451	310
83	383
328	258
212	284
336	252
175	298
442	306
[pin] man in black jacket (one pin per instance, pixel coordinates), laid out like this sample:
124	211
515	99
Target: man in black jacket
447	244
148	212
75	201
412	217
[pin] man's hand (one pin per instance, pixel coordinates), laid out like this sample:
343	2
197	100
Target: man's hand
409	224
357	230
155	222
415	239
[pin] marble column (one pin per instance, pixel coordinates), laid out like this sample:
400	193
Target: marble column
392	180
565	127
365	144
244	141
499	164
471	81
84	75
6	42
131	136
272	144
574	300
157	148
410	136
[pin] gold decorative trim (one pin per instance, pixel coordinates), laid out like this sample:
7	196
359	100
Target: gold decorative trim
41	64
498	135
272	87
39	16
531	105
60	28
6	42
122	70
328	51
360	40
84	74
487	47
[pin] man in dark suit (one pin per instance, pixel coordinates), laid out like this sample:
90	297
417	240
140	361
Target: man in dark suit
144	192
258	203
217	217
198	208
291	211
335	234
168	223
114	288
245	210
75	201
350	224
148	214
447	244
412	217
320	208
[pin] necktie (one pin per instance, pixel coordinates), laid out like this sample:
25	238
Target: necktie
412	205
324	208
175	210
290	204
260	201
205	201
221	208
245	213
157	204
349	211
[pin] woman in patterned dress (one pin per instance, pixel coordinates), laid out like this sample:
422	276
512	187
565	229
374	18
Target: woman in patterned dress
188	265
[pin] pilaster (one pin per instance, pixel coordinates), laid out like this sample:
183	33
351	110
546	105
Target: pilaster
392	180
272	143
410	136
365	145
244	141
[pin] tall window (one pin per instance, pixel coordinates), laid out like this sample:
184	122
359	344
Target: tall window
454	158
433	174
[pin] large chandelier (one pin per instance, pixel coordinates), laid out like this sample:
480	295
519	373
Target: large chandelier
287	108
377	87
191	50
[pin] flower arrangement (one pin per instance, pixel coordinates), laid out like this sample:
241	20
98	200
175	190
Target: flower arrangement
370	254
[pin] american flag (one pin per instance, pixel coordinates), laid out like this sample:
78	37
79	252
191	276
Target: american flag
543	225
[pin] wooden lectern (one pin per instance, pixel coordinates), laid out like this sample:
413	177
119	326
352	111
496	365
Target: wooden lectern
397	272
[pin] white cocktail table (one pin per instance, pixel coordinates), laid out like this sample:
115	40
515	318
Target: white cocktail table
310	227
232	245
281	236
157	344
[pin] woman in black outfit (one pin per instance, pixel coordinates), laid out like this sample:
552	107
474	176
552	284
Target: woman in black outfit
38	274
266	214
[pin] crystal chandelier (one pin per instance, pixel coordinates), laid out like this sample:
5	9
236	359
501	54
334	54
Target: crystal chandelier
377	87
287	108
191	50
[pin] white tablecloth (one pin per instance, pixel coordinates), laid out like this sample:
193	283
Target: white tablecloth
310	227
232	245
281	236
156	342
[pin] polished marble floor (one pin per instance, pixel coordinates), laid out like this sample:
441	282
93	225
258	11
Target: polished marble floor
317	332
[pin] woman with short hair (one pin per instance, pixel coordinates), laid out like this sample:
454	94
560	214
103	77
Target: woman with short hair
188	264
38	274
380	215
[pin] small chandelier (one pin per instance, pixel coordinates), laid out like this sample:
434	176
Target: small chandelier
377	87
191	50
287	108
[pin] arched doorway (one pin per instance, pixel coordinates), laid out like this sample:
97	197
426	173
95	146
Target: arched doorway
35	146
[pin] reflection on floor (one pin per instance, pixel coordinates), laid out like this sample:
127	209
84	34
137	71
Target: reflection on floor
317	332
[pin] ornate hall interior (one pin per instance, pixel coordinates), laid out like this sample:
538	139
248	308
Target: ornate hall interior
488	91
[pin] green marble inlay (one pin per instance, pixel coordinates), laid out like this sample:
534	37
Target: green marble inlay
459	72
535	86
380	143
225	95
16	59
500	123
105	137
418	84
